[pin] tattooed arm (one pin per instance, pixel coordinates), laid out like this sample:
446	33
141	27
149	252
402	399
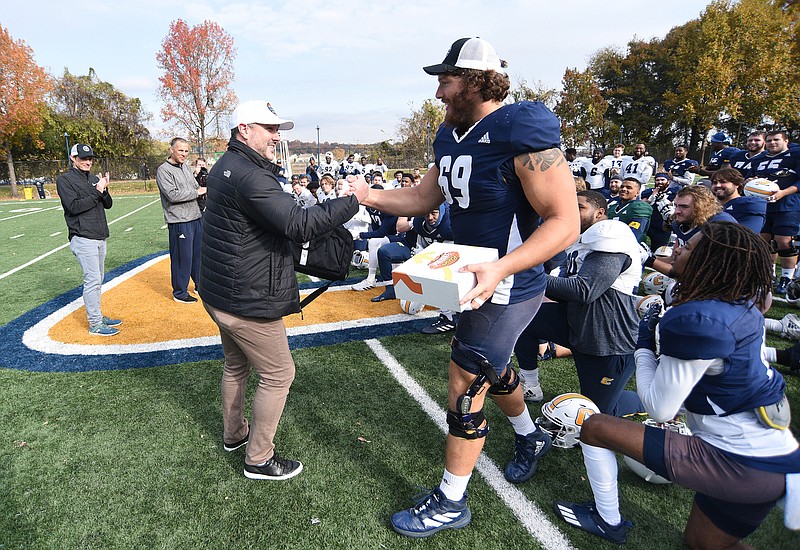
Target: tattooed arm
550	188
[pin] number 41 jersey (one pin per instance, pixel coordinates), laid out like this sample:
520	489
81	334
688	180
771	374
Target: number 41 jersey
487	204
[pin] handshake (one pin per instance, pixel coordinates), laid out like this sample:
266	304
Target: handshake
353	185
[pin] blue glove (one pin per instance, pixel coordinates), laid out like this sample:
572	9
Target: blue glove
647	328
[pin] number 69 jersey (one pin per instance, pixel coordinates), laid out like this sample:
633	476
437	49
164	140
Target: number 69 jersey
487	204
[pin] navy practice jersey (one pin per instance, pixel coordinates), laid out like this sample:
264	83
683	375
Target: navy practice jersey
750	212
742	161
783	169
722	158
679	167
487	204
734	333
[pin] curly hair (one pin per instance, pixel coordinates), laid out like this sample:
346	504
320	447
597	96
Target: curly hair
494	86
705	203
730	263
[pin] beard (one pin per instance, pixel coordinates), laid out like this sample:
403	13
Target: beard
460	113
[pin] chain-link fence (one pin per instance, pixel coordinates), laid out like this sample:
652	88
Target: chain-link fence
120	168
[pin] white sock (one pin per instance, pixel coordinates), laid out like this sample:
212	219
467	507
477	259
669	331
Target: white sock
530	377
522	424
773	325
454	487
601	468
771	355
787	272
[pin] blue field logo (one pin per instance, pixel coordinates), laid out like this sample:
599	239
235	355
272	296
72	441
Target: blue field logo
157	331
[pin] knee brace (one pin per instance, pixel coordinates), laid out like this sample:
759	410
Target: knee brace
467	426
506	384
787	252
773	246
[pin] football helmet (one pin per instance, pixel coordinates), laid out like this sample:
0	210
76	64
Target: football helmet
563	416
412	308
643	471
669	292
655	282
646	302
663	251
360	259
793	293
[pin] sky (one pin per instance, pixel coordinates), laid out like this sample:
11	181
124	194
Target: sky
353	68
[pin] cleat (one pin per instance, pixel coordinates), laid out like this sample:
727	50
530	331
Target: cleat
366	284
102	329
782	287
188	299
432	514
275	469
442	324
585	516
528	449
791	326
117	322
532	393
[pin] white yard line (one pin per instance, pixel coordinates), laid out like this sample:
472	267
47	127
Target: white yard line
29	213
65	245
529	514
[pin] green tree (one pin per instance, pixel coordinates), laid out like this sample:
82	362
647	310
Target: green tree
95	112
416	132
536	92
581	109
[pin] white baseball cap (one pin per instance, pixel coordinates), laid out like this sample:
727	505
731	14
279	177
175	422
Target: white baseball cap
469	53
258	112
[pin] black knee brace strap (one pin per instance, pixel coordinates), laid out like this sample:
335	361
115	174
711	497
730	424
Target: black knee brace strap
787	252
467	426
505	385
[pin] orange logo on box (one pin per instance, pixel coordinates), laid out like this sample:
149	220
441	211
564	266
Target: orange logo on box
445	259
412	285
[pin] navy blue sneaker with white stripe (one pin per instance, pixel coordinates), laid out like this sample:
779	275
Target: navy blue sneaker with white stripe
434	513
585	516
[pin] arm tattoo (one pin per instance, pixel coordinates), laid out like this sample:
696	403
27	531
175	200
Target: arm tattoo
542	159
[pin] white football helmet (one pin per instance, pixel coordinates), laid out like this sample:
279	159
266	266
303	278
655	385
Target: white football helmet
663	251
646	302
563	417
643	471
360	259
669	292
655	282
412	308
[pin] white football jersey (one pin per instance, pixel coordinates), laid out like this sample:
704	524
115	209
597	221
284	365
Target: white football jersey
594	173
641	168
615	163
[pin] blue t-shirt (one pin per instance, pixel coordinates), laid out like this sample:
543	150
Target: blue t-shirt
487	204
679	167
722	158
742	161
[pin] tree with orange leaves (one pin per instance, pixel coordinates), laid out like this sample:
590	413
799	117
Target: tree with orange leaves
23	89
198	71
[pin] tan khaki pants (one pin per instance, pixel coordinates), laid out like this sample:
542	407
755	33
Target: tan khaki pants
260	344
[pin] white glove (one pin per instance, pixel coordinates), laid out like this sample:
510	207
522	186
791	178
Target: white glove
665	208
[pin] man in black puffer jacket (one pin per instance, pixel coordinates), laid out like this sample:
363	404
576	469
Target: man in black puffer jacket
248	279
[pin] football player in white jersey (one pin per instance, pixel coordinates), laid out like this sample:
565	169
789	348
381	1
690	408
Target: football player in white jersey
617	158
328	166
640	165
597	170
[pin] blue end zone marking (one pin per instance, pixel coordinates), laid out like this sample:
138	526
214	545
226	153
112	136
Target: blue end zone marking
16	356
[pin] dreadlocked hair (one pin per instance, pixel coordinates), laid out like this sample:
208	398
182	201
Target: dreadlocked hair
730	263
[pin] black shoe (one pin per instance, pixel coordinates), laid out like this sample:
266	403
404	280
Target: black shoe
188	299
382	297
783	285
794	358
276	469
528	449
442	324
233	446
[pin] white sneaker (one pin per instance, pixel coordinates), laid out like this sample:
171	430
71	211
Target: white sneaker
366	284
532	393
791	326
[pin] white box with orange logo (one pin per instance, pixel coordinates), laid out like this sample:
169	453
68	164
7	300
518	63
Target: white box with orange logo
432	276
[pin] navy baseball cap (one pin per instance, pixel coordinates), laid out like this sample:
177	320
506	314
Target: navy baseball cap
720	137
82	151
